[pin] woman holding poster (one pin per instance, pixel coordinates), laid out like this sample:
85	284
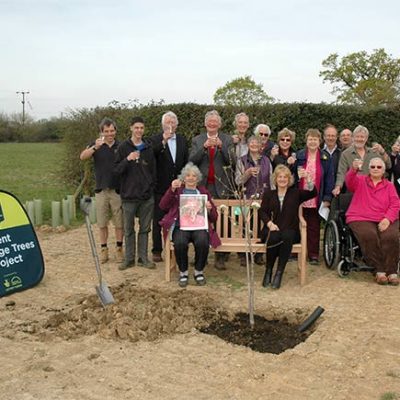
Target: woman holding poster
190	217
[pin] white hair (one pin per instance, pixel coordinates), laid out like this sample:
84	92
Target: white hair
169	114
237	116
254	138
377	159
212	113
190	168
259	126
359	129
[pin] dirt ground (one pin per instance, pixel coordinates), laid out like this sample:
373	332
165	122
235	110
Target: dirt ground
57	342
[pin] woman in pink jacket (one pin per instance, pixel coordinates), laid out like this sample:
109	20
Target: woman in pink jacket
373	216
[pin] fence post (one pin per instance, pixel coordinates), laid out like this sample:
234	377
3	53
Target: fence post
72	206
55	213
30	208
38	211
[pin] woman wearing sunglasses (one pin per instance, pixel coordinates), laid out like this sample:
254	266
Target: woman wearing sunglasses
264	132
283	153
373	216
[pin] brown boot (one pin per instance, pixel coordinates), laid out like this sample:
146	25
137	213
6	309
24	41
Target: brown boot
119	254
220	261
259	259
157	257
104	255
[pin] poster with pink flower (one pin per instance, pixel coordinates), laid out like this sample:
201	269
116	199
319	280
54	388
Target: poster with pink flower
193	212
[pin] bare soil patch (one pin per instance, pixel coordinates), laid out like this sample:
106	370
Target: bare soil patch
265	336
57	342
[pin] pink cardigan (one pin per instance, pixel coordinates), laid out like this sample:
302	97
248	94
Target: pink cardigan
370	202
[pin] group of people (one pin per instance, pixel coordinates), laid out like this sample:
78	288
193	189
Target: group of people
146	178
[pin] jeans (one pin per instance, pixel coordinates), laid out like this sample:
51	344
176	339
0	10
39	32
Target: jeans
156	231
143	209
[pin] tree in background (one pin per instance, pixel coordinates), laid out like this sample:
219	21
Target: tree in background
241	92
364	79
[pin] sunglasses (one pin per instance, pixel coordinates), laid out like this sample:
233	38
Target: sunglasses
263	134
285	140
375	166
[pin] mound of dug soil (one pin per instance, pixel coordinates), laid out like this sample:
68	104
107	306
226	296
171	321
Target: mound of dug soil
138	314
149	313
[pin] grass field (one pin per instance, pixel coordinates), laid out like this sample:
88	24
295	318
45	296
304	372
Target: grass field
32	171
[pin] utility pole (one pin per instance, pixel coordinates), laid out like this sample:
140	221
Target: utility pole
23	105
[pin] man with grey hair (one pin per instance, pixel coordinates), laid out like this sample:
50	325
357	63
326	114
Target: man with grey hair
171	152
345	138
213	153
359	150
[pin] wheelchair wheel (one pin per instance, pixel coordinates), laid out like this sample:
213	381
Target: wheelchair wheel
342	269
331	244
349	251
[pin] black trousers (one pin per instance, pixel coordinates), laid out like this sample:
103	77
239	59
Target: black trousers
156	231
201	241
281	251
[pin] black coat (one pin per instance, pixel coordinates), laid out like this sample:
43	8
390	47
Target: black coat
166	169
286	218
395	171
138	178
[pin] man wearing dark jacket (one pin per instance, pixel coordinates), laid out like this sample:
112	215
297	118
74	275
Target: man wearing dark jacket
171	153
135	164
330	145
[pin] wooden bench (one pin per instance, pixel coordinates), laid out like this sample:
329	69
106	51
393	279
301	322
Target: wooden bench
233	238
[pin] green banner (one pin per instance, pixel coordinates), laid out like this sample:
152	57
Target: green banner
21	259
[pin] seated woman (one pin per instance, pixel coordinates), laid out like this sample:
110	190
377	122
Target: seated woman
279	212
373	216
202	239
254	175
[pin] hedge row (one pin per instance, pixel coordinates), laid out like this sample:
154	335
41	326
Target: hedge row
81	126
12	130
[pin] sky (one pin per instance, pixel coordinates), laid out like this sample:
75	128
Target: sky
72	54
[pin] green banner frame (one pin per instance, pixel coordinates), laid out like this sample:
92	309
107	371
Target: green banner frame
21	258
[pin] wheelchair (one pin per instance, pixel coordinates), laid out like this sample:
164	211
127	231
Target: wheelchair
341	250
